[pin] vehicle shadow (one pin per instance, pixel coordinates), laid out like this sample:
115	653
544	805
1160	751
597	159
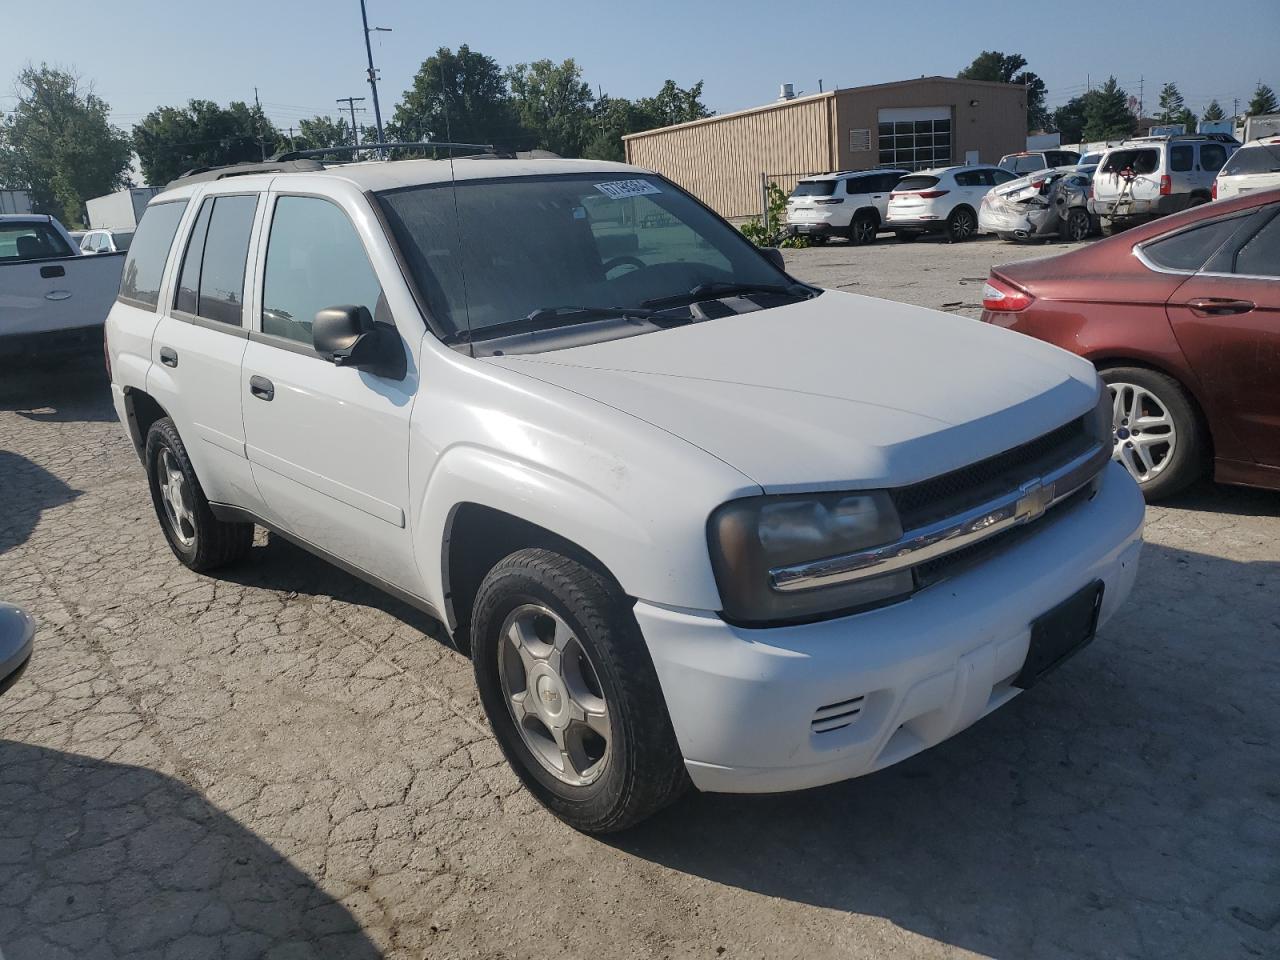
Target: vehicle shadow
74	391
1127	806
108	860
1220	498
29	490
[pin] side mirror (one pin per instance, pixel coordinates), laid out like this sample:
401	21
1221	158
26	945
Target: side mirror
774	256
347	336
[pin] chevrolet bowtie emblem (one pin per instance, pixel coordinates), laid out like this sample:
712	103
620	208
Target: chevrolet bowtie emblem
1034	498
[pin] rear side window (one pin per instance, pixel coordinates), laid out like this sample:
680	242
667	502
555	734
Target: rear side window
1260	254
31	241
1139	161
970	178
1189	249
314	260
916	183
123	239
815	188
1001	176
211	282
1264	158
1181	156
1212	156
143	268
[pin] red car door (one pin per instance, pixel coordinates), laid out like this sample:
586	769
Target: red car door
1227	321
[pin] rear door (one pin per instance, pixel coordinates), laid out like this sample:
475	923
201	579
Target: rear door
329	445
1227	321
199	343
1212	157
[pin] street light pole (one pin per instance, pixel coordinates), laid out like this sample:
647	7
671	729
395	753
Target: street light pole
373	77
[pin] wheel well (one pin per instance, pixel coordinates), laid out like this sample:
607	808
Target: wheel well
1106	363
961	206
867	213
143	411
476	538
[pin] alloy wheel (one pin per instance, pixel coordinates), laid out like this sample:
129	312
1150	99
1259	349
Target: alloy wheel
1144	437
553	692
963	225
176	498
863	231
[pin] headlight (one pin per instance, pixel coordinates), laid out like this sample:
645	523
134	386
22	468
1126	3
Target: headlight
750	537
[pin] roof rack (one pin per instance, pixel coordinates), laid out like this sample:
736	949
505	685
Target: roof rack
380	147
200	174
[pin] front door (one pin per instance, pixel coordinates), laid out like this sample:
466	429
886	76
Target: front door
329	445
1227	321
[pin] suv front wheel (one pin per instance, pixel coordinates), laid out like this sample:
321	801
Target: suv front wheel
198	538
571	694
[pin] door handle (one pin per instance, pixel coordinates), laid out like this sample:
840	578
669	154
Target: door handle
262	388
1219	306
169	356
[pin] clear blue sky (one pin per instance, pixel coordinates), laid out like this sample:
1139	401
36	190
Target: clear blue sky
302	54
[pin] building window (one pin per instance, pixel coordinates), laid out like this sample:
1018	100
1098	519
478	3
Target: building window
915	144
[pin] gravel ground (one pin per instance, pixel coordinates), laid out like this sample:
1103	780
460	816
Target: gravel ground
282	762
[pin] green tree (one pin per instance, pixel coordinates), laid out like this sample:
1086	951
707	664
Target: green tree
58	144
1171	104
172	140
612	118
459	96
1264	101
999	67
1214	112
321	132
673	105
1069	119
553	104
1107	115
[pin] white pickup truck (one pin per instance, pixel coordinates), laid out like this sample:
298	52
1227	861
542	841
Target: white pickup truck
52	299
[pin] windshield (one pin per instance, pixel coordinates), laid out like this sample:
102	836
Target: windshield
510	249
814	188
27	240
1023	163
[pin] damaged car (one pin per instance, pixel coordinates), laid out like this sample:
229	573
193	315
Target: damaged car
1045	205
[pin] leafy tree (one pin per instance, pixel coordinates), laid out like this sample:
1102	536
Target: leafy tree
1171	104
1264	101
553	104
58	144
1214	111
324	132
459	96
673	105
171	140
612	118
1107	115
998	67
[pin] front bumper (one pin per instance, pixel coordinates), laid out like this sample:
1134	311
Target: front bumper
743	701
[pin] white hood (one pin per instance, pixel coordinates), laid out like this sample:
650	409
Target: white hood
835	392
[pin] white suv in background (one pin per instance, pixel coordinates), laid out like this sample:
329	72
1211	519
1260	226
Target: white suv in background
1255	166
851	204
649	482
1029	161
943	200
1149	177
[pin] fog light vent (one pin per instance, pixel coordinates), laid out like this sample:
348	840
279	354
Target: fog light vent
836	716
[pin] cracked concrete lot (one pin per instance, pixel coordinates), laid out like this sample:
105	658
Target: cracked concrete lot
281	762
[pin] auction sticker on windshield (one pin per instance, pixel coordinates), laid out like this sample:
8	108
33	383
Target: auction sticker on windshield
621	189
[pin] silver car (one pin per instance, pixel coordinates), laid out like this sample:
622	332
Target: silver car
1044	205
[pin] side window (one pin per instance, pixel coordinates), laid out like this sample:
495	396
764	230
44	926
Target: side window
211	283
889	181
1212	156
1001	176
1260	255
1180	157
140	283
969	178
1189	249
856	185
314	260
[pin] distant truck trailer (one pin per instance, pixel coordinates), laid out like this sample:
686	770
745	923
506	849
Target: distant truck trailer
1262	125
120	210
15	201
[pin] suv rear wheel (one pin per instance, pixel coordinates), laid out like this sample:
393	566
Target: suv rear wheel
863	229
571	693
961	225
1156	433
198	538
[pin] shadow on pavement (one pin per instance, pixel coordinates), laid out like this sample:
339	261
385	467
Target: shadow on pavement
74	391
105	860
1127	806
28	490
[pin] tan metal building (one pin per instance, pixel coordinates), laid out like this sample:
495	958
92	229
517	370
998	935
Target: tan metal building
911	124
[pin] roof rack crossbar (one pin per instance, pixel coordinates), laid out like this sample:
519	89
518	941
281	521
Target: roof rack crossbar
398	144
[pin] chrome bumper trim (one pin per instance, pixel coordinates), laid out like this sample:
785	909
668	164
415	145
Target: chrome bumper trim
938	539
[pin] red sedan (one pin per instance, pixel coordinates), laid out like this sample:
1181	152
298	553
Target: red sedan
1181	316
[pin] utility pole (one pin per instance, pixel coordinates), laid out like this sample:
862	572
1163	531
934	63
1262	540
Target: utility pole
262	143
351	105
373	74
1141	112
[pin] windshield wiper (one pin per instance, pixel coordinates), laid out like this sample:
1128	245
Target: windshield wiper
548	318
715	289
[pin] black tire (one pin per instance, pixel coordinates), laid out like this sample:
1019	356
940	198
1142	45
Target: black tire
962	225
1111	227
212	543
906	236
862	230
644	770
1075	225
1188	461
1197	200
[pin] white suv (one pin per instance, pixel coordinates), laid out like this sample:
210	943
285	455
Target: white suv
852	205
1255	166
1150	177
693	520
944	200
